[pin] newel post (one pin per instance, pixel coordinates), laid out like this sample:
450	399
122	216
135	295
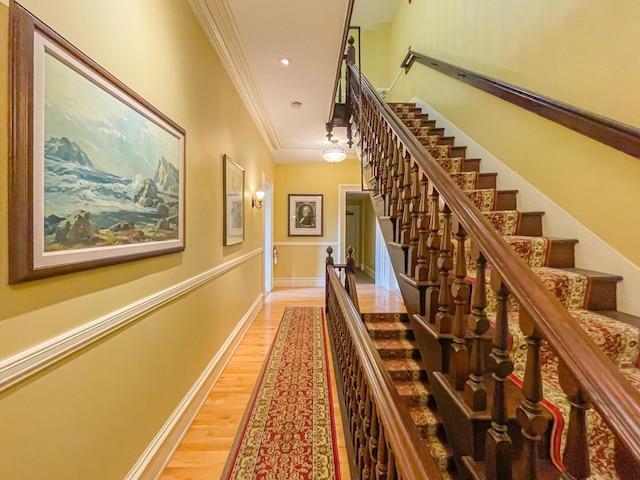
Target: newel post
328	263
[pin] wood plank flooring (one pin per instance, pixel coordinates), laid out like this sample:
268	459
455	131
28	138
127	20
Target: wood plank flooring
205	448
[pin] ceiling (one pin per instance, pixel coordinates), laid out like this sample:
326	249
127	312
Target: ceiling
251	37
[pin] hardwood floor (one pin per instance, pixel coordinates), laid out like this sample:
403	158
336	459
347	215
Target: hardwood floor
204	449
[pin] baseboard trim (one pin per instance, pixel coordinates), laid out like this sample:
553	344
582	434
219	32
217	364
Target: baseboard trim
27	363
299	282
157	455
369	271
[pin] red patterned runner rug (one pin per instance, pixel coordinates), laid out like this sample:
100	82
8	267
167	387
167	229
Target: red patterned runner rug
288	430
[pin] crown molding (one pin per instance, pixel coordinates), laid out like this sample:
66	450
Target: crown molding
216	19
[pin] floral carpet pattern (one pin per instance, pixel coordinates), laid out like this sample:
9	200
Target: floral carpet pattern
288	430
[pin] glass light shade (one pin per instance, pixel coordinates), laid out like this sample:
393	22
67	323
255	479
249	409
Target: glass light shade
334	152
260	195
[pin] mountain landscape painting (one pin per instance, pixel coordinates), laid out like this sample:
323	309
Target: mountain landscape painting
111	171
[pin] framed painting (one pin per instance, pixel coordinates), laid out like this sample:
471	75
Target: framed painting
233	197
96	172
305	215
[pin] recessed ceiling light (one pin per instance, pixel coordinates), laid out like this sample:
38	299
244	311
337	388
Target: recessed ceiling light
295	104
285	61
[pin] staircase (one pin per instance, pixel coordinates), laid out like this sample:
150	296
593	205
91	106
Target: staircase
470	360
463	347
395	342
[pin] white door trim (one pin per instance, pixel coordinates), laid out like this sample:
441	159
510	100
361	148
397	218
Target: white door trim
343	188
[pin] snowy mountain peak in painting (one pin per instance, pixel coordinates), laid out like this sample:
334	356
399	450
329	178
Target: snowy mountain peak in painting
167	176
65	149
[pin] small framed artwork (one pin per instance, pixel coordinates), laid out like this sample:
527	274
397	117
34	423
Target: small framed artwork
233	202
96	172
305	215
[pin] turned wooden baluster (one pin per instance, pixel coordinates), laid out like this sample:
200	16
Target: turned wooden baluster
390	180
392	473
475	392
373	442
366	436
393	211
433	244
382	469
444	320
379	155
356	419
414	234
400	203
422	267
373	151
576	452
499	449
328	263
384	161
405	232
460	291
360	436
529	413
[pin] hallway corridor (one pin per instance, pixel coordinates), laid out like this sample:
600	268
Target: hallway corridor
204	449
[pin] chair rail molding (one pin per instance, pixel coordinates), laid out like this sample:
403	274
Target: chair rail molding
27	363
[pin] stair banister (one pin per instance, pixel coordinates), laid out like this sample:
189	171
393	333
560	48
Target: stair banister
395	427
599	379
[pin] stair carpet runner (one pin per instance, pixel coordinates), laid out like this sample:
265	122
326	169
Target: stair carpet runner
395	342
574	288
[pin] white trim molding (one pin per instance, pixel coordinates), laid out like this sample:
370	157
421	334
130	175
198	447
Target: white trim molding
157	455
5	2
343	188
23	365
305	244
218	23
299	282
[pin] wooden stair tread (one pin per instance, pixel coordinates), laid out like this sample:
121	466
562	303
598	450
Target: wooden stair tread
404	372
546	470
621	317
593	275
439	452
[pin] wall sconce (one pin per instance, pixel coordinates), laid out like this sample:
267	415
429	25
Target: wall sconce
257	199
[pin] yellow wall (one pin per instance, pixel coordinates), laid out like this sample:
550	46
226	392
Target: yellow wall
376	61
92	415
581	53
307	262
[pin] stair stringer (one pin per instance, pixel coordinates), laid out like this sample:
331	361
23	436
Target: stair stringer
592	252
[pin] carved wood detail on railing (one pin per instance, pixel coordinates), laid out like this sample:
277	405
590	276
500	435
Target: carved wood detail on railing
385	440
427	235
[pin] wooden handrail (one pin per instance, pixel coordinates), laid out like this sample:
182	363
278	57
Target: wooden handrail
336	82
620	136
412	458
610	393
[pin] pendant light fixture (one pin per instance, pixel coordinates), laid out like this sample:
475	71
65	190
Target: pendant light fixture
334	152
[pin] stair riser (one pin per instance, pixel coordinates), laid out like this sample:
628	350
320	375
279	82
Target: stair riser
390	334
407	375
398	354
